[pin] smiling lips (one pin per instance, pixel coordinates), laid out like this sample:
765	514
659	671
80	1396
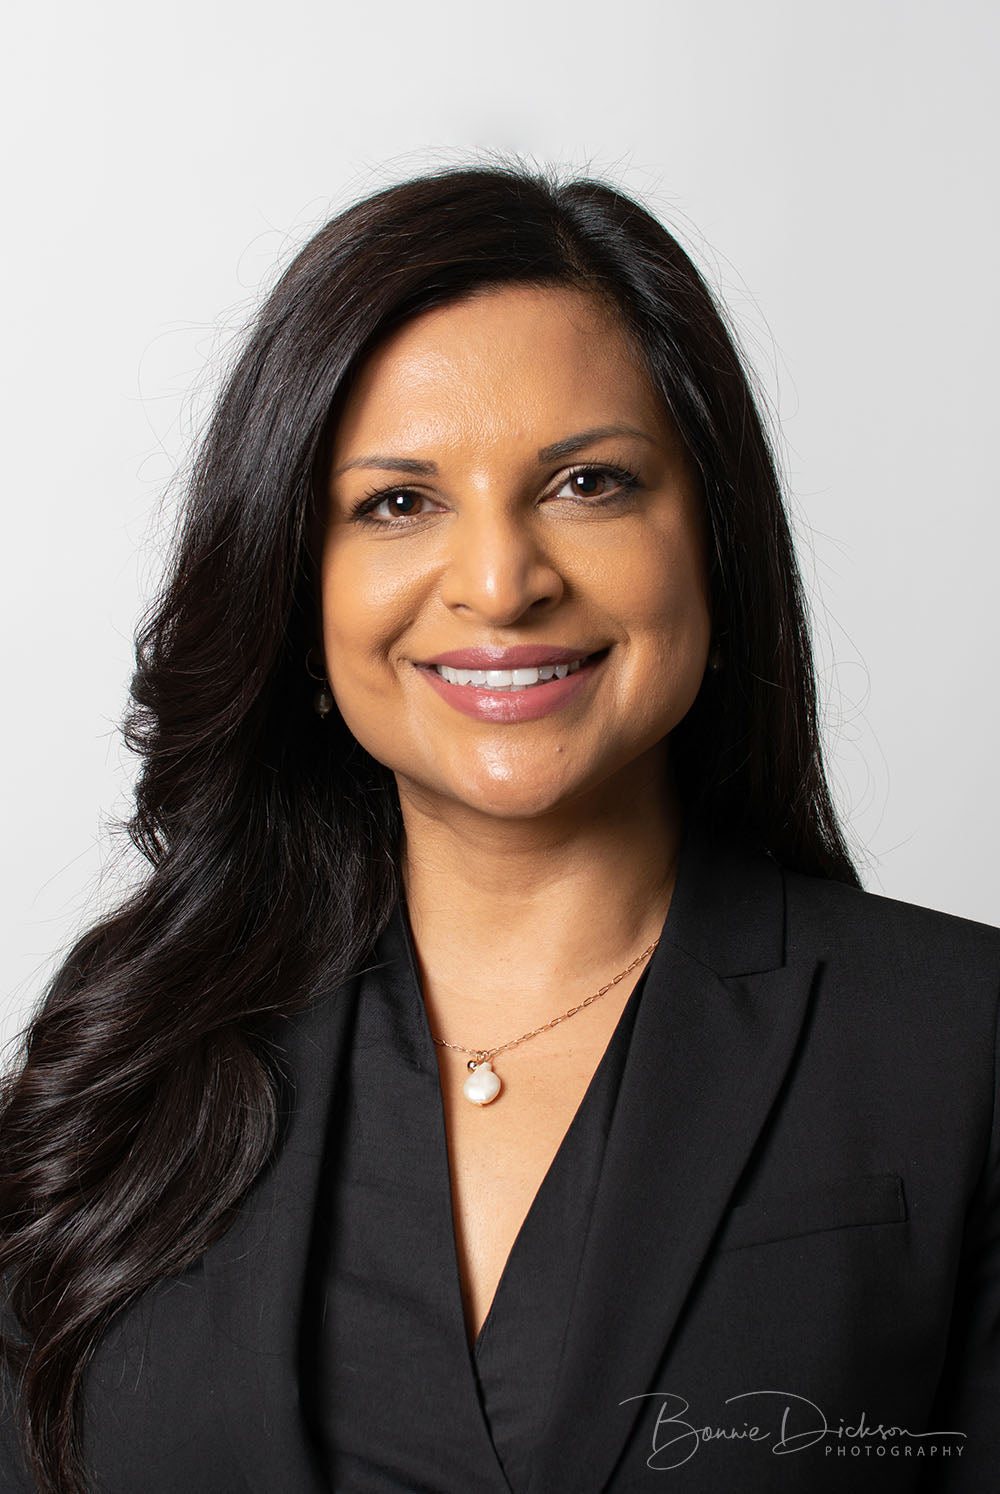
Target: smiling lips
507	679
511	684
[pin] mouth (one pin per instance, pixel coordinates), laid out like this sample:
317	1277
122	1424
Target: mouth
514	679
521	692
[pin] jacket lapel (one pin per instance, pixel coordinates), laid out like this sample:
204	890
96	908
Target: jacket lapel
256	1273
714	1036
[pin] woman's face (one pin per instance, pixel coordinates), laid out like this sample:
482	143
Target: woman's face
507	493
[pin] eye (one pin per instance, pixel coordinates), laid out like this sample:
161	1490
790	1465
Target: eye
597	483
391	504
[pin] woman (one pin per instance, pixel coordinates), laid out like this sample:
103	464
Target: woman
491	844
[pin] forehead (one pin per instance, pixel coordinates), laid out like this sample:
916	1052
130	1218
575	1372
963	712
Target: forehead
507	363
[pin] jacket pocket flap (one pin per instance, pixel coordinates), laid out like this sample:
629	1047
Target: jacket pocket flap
841	1203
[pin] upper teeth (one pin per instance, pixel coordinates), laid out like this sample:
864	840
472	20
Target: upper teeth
507	679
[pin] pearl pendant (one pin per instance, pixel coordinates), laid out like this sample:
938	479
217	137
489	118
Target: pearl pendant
482	1085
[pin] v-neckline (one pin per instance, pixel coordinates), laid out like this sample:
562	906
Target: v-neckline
442	1157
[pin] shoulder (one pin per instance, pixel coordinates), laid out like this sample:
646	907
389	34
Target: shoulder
920	977
837	917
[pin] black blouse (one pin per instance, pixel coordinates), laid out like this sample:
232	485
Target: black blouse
398	1400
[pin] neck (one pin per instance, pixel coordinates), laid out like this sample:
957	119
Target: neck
507	913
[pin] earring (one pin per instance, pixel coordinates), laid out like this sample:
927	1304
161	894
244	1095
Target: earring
715	657
323	697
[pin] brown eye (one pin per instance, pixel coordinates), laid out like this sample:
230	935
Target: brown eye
399	505
391	506
590	484
595	484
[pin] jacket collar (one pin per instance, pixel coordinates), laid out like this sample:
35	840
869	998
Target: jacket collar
715	1033
728	906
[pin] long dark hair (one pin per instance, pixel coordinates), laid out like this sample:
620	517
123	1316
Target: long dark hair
146	1103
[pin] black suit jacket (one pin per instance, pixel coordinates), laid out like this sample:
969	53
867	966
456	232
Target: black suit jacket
792	1272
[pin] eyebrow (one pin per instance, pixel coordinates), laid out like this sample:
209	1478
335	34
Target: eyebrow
553	453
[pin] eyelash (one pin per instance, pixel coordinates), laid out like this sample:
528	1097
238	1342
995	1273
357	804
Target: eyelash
627	480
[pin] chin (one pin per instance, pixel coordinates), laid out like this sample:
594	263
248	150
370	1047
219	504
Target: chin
510	785
502	795
520	798
516	804
503	785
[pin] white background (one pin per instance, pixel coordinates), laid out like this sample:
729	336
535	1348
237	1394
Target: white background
832	168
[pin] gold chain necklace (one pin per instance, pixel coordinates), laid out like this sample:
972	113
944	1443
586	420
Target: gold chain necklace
483	1085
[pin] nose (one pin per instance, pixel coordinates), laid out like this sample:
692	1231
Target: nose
497	568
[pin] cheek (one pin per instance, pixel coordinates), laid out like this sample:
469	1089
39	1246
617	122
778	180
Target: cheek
356	638
364	609
665	582
368	603
668	628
